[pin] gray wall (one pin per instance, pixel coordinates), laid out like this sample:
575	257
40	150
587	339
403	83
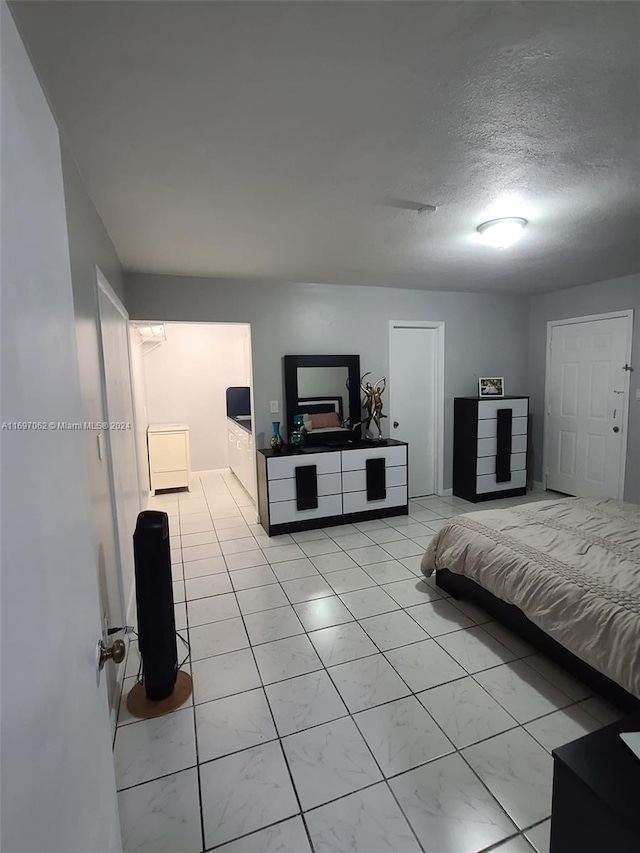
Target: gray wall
89	245
485	334
602	297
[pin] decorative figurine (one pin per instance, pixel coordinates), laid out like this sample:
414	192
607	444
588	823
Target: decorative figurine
372	404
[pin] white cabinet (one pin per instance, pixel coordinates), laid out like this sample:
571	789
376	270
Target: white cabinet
298	491
169	456
241	455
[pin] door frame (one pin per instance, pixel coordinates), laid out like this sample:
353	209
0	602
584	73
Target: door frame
571	321
103	285
438	326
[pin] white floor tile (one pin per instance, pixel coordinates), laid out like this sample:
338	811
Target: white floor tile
229	521
517	771
200	568
540	836
391	630
562	727
162	816
224	675
373	524
308	535
367	682
319	547
477	614
365	822
328	563
233	723
341	643
217	638
369	602
403	548
402	735
322	613
239	546
240	531
385	534
560	677
305	589
466	712
178	591
180	610
275	624
244	792
329	761
292	569
601	710
213	609
475	650
423	665
305	701
410	592
439	617
348	541
286	658
347	580
283	553
245	560
151	748
370	554
191	539
449	808
512	641
261	598
208	585
289	836
388	572
518	844
249	578
522	691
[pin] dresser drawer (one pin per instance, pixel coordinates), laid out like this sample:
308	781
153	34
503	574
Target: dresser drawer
169	479
487	482
487	464
285	512
356	460
488	408
284	467
488	428
356	481
489	446
357	501
285	490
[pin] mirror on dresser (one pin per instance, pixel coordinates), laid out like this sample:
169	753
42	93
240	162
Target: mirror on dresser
325	389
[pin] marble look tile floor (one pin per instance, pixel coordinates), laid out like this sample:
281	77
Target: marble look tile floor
342	703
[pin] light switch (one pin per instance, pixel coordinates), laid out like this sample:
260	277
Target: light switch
638	395
274	407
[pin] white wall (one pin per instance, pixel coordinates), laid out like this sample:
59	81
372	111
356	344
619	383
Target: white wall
600	298
186	378
485	335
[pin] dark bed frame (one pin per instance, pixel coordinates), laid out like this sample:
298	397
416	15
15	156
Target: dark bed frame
459	586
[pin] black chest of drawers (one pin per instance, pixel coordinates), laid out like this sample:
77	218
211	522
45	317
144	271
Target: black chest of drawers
490	447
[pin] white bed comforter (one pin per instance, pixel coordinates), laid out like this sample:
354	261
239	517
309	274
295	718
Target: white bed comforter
572	566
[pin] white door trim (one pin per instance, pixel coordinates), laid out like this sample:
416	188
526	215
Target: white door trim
103	285
612	315
438	326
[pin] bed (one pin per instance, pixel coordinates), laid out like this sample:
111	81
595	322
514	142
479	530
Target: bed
563	573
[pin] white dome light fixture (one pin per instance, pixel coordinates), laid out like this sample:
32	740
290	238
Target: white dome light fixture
502	233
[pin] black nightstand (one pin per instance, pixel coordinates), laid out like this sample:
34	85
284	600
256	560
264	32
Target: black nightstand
596	793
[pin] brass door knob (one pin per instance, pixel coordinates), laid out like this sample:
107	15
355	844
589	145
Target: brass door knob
116	652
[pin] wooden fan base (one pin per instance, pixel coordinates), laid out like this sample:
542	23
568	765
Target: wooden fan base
139	706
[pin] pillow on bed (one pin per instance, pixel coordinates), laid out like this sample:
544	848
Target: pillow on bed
325	420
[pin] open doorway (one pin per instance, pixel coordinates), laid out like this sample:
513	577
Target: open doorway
195	379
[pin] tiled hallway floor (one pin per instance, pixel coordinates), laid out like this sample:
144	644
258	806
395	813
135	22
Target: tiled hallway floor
341	702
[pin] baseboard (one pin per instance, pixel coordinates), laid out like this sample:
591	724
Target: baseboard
538	485
211	471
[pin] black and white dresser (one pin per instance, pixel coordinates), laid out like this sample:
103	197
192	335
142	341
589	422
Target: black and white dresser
324	486
490	447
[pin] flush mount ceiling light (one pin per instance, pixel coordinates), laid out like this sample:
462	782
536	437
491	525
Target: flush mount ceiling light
502	232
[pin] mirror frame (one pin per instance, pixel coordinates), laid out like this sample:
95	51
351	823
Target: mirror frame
291	365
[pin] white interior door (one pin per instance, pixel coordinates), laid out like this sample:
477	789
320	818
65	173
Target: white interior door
120	436
587	400
57	774
413	400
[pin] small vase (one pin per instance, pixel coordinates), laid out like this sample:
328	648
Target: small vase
276	439
298	435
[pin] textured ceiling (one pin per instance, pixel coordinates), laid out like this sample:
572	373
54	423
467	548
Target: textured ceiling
285	139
